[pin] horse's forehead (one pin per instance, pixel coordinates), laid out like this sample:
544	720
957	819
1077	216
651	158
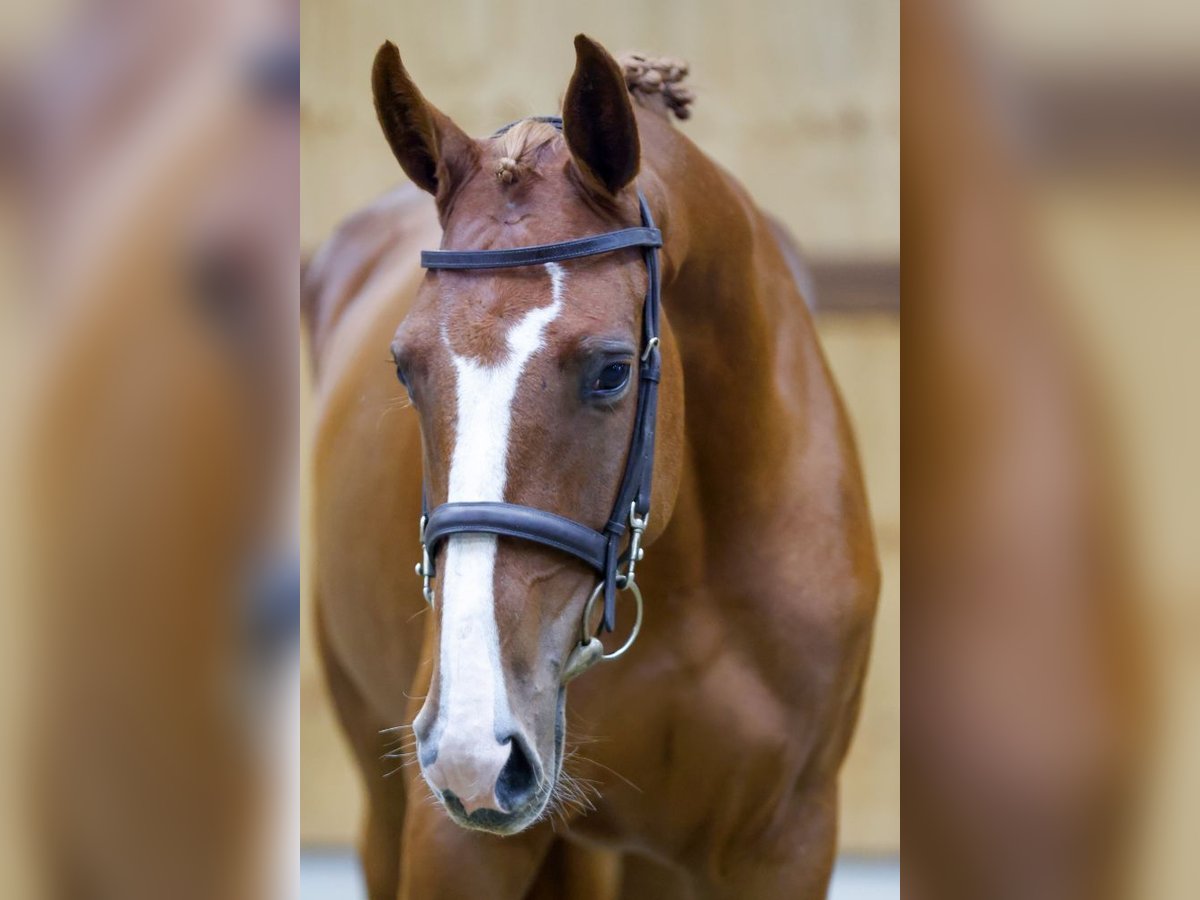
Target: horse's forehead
543	204
480	312
475	309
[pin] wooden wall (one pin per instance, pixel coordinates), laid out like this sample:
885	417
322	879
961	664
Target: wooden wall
799	99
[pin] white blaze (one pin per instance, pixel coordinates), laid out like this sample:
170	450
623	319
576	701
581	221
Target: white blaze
472	681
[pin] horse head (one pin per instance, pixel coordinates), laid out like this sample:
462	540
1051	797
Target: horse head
526	383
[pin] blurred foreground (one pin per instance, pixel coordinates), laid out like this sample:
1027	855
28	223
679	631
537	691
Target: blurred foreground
150	166
1051	220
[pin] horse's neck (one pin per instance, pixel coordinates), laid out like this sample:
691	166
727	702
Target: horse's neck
751	360
769	473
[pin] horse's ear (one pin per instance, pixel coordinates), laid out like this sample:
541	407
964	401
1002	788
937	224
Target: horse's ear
598	120
432	150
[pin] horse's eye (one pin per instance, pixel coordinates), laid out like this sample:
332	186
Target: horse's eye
402	373
611	380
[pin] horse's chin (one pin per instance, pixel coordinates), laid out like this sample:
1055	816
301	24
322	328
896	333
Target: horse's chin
494	822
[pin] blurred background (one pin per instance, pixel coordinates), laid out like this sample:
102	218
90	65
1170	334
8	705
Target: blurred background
801	102
1051	216
149	583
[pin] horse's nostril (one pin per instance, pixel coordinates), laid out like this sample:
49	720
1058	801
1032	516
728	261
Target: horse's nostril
518	780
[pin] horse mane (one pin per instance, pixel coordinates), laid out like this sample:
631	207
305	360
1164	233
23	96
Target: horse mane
519	147
655	83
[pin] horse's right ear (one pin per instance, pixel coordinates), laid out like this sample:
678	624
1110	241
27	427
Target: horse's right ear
433	151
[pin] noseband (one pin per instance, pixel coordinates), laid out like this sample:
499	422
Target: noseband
601	550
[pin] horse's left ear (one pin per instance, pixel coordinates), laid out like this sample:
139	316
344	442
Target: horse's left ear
598	120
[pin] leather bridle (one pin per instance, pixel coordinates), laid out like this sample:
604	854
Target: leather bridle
601	550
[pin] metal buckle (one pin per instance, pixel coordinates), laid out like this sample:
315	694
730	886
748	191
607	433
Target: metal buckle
425	566
650	345
637	527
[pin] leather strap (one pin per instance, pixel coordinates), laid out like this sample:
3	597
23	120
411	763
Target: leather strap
538	254
512	520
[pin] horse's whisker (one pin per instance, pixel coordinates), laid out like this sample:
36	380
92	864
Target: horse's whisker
609	769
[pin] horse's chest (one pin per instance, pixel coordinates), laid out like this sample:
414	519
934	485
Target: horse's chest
692	751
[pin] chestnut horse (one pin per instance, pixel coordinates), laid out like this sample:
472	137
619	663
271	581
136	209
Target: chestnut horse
704	763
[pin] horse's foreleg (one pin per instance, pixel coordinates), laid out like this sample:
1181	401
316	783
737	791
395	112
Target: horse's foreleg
645	879
794	860
383	820
443	861
579	872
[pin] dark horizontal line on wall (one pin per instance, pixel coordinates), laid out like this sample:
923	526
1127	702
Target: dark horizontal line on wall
1105	118
856	285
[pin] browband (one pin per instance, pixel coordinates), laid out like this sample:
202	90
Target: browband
600	550
538	254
